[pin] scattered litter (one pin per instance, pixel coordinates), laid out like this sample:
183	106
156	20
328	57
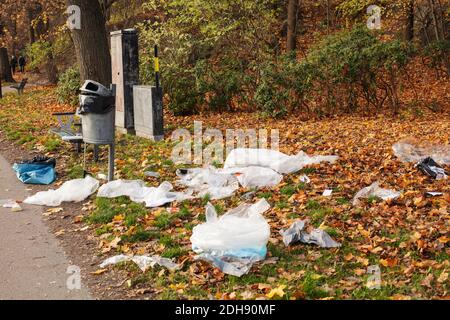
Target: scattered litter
39	170
143	262
210	181
278	161
7	203
12	204
16	208
375	191
137	191
234	241
411	150
429	167
102	176
297	233
248	195
305	179
256	177
434	194
152	174
71	191
327	193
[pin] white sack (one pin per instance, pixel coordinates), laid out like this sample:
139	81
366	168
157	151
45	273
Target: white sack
71	191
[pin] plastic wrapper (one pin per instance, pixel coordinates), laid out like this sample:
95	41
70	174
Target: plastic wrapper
256	177
71	191
374	190
412	150
137	191
297	233
278	161
210	181
429	167
143	262
238	237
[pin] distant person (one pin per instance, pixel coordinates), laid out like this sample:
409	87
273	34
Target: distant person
13	64
22	63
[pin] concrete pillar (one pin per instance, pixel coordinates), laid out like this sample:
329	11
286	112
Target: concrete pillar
148	112
125	74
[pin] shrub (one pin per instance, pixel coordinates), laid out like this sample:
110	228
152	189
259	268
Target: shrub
438	54
37	53
68	86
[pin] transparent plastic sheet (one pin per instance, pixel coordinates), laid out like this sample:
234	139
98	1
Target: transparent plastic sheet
12	204
234	241
137	191
297	233
71	191
375	191
278	161
143	262
412	150
256	177
210	181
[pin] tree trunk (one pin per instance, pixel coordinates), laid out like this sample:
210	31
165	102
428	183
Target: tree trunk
5	68
409	34
31	33
91	43
291	41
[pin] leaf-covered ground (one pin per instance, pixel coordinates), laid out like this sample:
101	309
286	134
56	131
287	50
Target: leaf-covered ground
407	238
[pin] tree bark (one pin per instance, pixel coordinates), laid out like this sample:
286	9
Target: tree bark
91	43
5	68
409	34
291	41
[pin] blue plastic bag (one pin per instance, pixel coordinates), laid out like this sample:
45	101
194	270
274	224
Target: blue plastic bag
41	171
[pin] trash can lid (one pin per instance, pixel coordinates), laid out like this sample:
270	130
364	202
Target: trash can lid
91	87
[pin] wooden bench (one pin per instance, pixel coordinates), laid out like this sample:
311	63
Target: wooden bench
70	131
21	86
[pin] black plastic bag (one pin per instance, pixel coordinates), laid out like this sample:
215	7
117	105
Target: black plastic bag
429	167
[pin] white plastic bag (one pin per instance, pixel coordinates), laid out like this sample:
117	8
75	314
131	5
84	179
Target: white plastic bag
143	262
412	150
71	191
278	161
375	190
241	232
256	177
210	181
138	192
234	241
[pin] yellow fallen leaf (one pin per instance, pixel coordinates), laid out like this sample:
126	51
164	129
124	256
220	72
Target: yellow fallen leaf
276	291
99	271
443	277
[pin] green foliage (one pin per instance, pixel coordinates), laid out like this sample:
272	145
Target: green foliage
38	53
207	49
438	54
68	86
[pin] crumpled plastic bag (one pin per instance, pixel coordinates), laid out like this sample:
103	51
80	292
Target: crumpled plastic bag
297	233
71	191
375	190
137	191
239	237
412	150
278	161
143	262
256	177
429	167
39	170
210	181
